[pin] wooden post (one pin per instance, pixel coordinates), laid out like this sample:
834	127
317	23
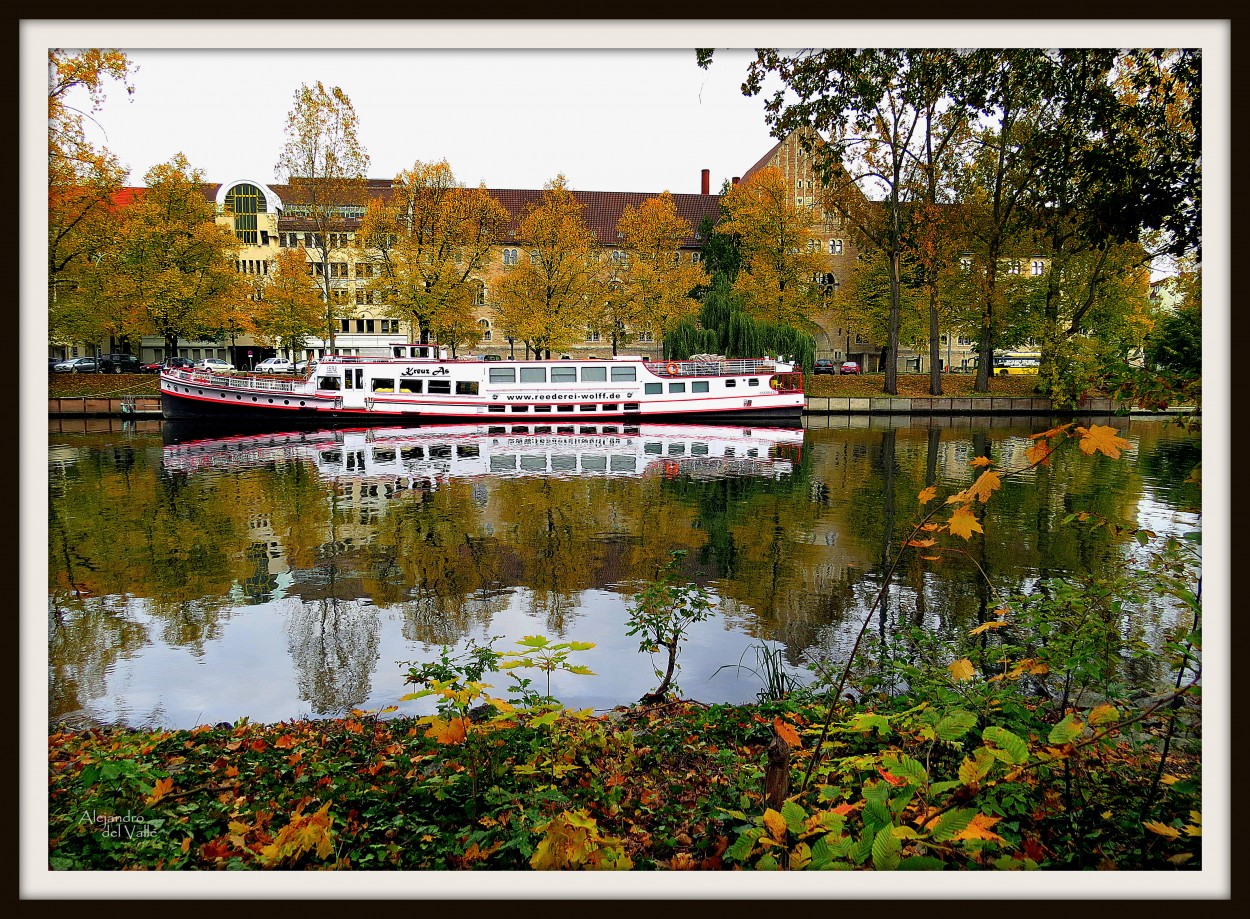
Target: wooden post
777	774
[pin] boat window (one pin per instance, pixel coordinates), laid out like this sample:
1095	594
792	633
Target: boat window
533	374
563	462
609	406
383	455
676	387
534	463
677	449
440	451
594	463
327	382
653	388
589	408
520	408
564	408
384	385
632	407
466	387
563	374
731	383
503	463
440	386
623	463
698	386
542	408
412	453
624	374
754	381
653	448
496	408
467	451
698	449
565	429
503	374
410	385
594	374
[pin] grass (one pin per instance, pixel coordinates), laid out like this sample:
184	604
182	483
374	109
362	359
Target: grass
910	385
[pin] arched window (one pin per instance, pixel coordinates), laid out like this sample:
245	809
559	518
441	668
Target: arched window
484	325
244	202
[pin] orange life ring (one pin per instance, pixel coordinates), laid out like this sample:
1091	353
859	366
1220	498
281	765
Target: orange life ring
672	368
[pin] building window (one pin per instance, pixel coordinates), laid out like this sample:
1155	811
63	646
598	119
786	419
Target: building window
646	335
509	256
965	263
696	257
484	325
338	269
1013	266
592	335
244	202
835	247
1039	267
479	293
536	257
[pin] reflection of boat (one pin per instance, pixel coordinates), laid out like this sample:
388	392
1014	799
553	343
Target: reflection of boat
411	457
418	383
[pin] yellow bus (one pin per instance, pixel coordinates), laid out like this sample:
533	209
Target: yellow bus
1006	362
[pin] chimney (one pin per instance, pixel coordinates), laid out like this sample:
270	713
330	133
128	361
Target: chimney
707	179
737	179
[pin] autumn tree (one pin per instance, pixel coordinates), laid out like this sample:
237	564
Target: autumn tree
170	269
83	184
430	242
781	262
650	287
325	166
550	298
289	305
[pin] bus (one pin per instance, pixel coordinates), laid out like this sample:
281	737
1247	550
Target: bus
1006	362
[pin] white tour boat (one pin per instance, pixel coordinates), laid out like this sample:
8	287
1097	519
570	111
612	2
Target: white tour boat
419	383
389	461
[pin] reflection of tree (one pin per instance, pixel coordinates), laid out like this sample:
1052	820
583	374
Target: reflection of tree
85	641
334	646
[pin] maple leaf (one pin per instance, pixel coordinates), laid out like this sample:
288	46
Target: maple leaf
979	828
447	730
963	523
1052	432
985	485
1162	829
1099	438
1038	454
986	626
786	732
978	461
160	789
285	742
928	494
921	543
961	669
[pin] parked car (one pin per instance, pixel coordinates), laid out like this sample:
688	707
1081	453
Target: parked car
77	365
849	367
215	365
177	363
120	363
52	362
824	365
275	365
305	366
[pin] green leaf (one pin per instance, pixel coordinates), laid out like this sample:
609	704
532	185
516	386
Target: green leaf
767	863
1066	731
907	768
740	851
794	816
1011	744
886	850
955	725
534	641
951	824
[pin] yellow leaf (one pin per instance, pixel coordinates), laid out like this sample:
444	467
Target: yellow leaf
160	789
986	626
928	494
1103	713
979	828
1099	438
985	485
921	543
786	732
1052	432
978	461
775	824
447	731
961	669
1162	829
963	523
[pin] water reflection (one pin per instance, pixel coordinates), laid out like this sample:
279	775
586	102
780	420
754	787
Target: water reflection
202	578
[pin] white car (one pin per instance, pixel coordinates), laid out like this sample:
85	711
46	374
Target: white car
215	365
275	365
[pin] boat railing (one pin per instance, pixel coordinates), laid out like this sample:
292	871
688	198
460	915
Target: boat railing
688	368
249	382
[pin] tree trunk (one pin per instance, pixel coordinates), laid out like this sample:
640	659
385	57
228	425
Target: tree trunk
777	774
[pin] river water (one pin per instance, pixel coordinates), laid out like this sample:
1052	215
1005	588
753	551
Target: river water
196	576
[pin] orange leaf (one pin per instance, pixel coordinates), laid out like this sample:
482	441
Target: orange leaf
984	486
927	495
979	461
160	789
986	626
786	732
963	523
891	777
1038	454
921	543
1052	432
447	731
285	742
979	828
1099	438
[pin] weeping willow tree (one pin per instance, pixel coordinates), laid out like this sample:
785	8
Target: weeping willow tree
725	328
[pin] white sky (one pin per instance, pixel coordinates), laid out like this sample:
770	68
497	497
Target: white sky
614	106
